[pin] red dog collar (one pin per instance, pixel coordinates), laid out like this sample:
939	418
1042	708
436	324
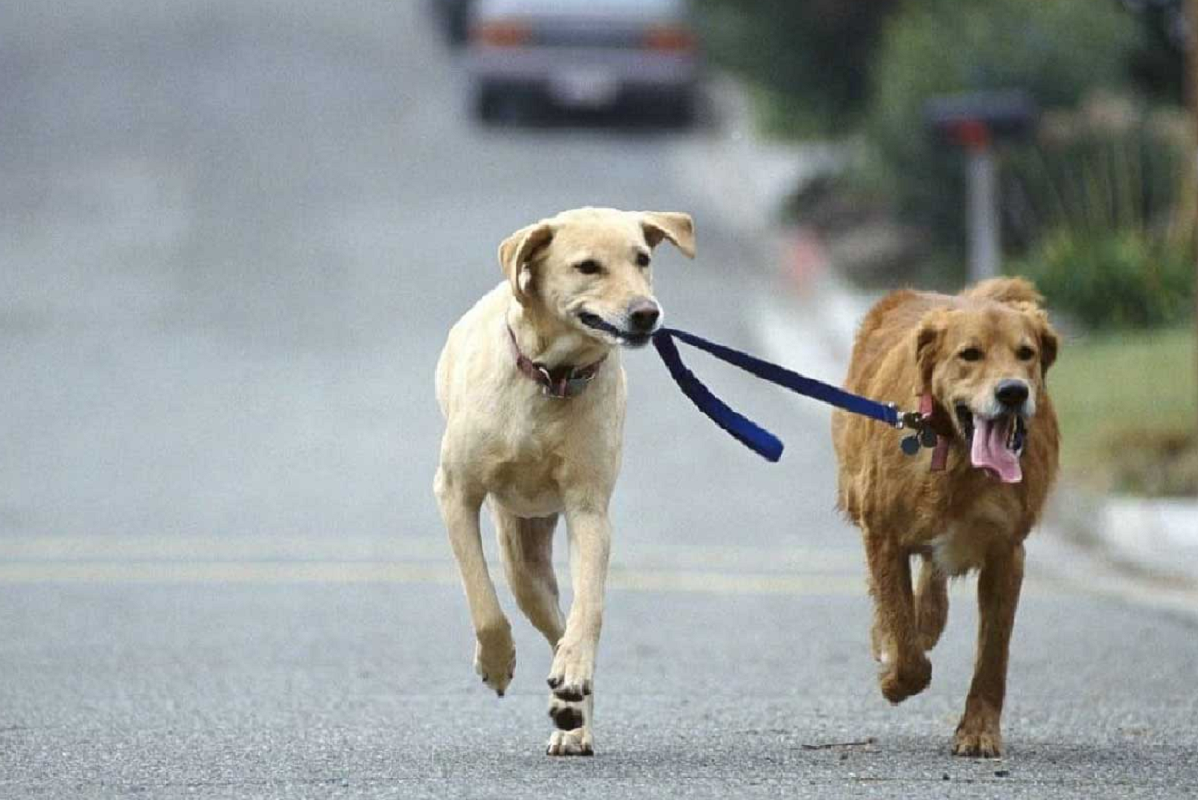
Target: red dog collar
561	382
937	462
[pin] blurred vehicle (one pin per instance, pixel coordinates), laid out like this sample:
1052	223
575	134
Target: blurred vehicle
531	55
453	15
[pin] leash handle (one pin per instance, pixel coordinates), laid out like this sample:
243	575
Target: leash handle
745	430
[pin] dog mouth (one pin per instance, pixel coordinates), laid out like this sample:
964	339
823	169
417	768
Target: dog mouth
623	337
996	442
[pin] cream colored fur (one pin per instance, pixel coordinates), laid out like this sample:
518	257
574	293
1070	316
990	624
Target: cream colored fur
533	457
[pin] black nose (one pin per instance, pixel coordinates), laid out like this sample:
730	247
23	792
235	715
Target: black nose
1012	392
643	314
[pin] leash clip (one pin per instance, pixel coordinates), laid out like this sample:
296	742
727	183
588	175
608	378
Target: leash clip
923	436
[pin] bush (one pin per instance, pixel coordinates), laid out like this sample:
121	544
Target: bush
1106	201
1057	51
1119	279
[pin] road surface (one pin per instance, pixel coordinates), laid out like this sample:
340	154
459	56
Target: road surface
233	236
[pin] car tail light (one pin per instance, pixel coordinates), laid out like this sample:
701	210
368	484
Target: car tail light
669	38
502	34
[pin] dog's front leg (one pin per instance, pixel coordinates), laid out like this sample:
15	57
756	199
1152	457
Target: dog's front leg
571	673
906	670
978	733
495	653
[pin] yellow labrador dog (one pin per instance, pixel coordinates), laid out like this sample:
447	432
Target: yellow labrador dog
531	386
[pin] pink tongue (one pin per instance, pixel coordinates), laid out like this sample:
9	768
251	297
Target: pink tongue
988	449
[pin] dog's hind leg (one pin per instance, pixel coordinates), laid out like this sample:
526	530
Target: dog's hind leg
526	546
495	653
931	603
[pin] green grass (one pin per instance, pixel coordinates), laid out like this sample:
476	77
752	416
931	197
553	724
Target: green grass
1127	408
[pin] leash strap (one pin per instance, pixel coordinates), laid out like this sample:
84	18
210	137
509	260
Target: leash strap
739	427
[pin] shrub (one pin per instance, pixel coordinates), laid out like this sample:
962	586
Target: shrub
1121	278
1105	199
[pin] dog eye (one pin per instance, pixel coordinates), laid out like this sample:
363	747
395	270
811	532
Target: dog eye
643	260
1025	352
588	267
971	354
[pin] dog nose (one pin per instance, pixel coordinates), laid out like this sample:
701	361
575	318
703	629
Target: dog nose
643	314
1012	393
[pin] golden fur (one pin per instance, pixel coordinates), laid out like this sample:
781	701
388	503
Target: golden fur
533	457
961	519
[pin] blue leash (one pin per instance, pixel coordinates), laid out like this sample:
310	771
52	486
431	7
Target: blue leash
746	431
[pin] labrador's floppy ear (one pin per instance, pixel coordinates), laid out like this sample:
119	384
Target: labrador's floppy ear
673	225
927	343
515	252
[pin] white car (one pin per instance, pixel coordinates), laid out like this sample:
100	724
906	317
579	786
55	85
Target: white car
531	55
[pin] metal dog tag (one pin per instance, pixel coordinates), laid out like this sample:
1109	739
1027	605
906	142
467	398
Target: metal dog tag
928	437
910	445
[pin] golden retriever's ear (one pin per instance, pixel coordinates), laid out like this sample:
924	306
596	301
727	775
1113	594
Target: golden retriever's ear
672	225
1048	341
927	343
515	252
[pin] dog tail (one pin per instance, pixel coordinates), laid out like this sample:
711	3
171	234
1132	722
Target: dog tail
1005	290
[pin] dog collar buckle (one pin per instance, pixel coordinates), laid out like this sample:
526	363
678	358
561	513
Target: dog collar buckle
572	382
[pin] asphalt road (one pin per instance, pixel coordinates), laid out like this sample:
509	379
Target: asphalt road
232	238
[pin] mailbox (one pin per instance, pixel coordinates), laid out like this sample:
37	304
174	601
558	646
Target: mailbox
974	122
977	119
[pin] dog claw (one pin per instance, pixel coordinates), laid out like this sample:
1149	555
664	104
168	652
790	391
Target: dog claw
571	673
577	742
495	662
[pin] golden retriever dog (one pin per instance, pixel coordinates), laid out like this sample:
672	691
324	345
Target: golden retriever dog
982	357
531	385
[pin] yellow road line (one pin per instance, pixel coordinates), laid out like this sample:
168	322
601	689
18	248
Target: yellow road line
338	572
277	560
627	554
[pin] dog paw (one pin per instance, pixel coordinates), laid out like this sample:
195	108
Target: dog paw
567	716
977	744
900	680
571	671
577	742
977	738
496	660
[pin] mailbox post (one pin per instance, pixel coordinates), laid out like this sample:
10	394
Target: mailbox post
975	122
